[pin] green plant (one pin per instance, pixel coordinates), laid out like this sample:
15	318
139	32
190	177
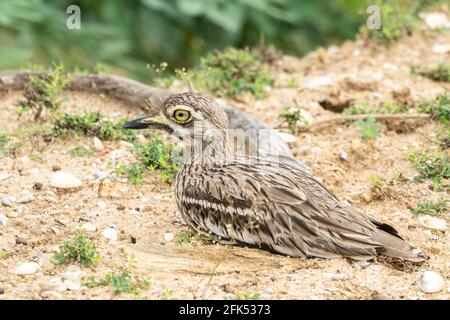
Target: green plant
158	155
293	117
3	254
91	124
43	90
81	151
377	181
185	237
431	165
443	137
431	208
368	128
438	108
134	172
439	72
80	249
233	72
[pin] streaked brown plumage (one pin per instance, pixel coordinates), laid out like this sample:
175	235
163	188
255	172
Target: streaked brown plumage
263	203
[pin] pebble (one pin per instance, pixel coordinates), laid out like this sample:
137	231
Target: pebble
110	234
13	214
72	285
343	155
38	186
27	268
8	201
4	176
319	82
25	197
3	220
2	291
168	236
268	291
98	144
89	227
21	240
54	284
55	167
102	204
433	223
100	175
435	20
65	180
51	294
431	282
438	48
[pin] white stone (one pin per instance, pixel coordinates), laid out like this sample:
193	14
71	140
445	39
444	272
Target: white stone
89	227
343	155
110	234
65	180
433	223
72	285
27	268
319	82
3	220
4	176
8	201
438	48
13	214
286	137
431	282
102	204
98	144
126	144
168	236
25	197
435	20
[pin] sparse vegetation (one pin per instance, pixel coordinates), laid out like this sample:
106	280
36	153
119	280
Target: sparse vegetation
81	151
123	281
431	208
439	72
233	72
185	237
8	146
294	118
43	91
91	124
368	128
439	108
3	254
246	295
157	155
78	250
134	172
431	165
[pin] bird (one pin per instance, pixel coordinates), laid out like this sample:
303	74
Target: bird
259	202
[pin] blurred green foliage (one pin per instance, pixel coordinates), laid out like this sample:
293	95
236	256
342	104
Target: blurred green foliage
126	35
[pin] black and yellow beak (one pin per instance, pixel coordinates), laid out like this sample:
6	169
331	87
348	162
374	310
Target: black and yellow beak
152	121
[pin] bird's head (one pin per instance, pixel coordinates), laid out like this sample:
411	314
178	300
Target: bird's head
191	117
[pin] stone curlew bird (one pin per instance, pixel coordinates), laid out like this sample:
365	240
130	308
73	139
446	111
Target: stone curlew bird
261	202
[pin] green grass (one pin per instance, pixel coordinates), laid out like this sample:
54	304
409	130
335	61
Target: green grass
439	72
368	128
439	108
232	72
42	91
245	295
157	155
431	165
81	151
3	254
443	137
78	250
91	124
293	117
431	208
134	172
122	281
185	237
8	146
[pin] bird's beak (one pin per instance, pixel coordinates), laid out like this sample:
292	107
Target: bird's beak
153	121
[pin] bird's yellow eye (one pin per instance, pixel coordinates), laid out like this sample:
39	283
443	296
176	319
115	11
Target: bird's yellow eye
181	115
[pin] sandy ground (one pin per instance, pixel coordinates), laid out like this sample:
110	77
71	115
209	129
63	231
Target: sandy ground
143	214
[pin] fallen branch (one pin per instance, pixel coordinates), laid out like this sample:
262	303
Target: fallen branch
350	118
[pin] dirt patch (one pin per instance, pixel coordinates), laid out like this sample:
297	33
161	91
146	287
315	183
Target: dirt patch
358	72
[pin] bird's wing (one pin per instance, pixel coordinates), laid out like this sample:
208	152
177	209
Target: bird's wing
284	210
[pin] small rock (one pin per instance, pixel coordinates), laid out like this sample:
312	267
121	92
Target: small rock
110	234
25	198
21	240
38	186
435	20
433	223
4	176
120	207
431	282
168	236
126	144
102	204
438	48
100	175
54	284
3	220
89	227
98	144
72	285
8	201
27	268
73	273
268	291
2	291
65	180
113	189
319	82
55	167
343	155
51	295
286	137
13	214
